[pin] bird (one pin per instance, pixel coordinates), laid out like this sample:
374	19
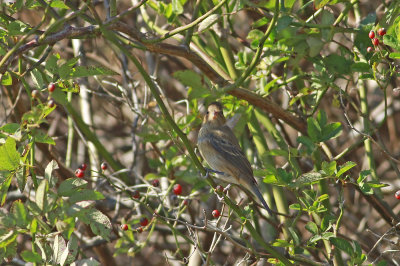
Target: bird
220	148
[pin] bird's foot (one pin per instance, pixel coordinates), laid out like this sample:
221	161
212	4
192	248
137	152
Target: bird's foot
214	171
220	198
227	188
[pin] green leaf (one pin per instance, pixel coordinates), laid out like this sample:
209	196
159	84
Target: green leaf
315	238
87	71
391	41
329	168
34	226
308	143
327	222
327	235
307	179
66	69
17	28
41	194
10	128
37	78
7	238
177	7
313	129
337	64
70	186
327	19
30	256
342	244
376	184
322	118
320	3
363	175
20	213
71	251
315	44
4	188
58	4
254	36
51	166
51	64
6	79
9	156
42	137
331	131
59	247
345	167
21	178
282	243
312	228
283	22
259	23
84	195
194	81
294	235
99	223
360	67
394	55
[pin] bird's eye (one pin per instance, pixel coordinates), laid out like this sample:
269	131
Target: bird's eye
208	112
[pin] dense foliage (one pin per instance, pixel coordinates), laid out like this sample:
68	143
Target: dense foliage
101	102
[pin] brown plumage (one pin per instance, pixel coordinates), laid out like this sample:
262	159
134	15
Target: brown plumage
220	148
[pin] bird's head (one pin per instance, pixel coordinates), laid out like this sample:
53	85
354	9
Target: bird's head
215	114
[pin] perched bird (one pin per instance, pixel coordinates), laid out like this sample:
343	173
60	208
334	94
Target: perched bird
220	148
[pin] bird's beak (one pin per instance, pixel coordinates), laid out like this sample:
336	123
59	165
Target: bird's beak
215	115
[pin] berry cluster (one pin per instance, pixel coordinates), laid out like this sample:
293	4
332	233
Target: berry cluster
50	103
143	223
375	38
80	172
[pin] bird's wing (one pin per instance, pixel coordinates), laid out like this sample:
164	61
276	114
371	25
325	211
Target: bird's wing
233	155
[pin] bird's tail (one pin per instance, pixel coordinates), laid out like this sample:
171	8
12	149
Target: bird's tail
257	192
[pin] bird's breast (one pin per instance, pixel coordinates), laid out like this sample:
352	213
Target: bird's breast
214	160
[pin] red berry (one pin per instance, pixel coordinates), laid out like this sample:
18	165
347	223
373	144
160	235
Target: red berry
177	189
219	189
140	229
51	103
186	202
155	183
124	227
83	167
382	31
370	49
136	194
215	213
35	94
51	87
104	166
79	173
144	221
397	194
375	41
371	34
